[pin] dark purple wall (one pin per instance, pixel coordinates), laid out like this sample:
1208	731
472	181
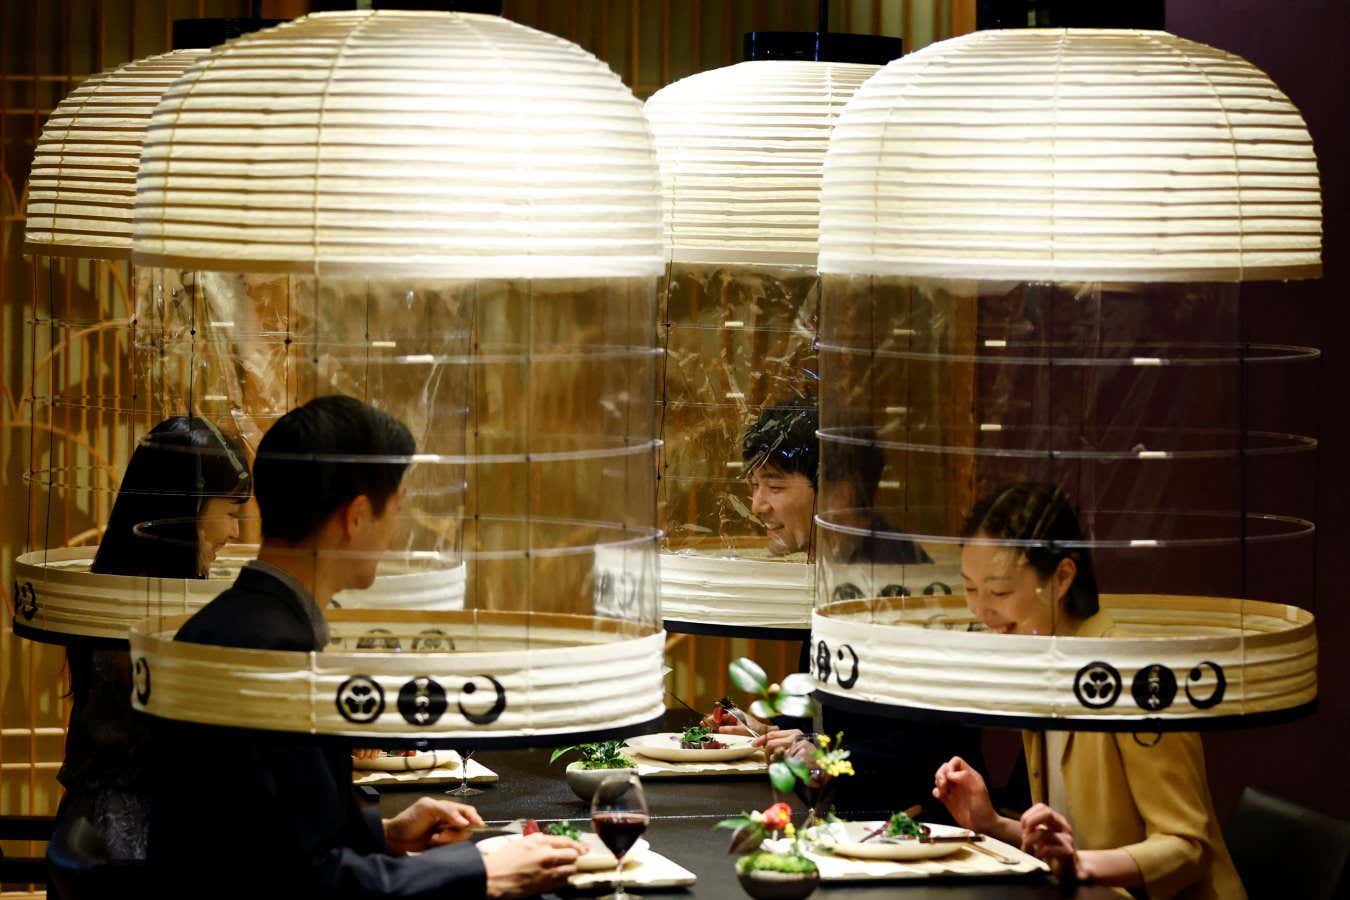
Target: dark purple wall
1304	45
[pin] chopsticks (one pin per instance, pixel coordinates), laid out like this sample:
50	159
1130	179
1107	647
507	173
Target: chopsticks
992	853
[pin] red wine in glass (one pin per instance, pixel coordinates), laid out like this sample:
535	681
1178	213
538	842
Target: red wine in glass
619	816
619	831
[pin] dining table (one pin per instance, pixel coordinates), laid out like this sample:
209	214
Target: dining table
683	812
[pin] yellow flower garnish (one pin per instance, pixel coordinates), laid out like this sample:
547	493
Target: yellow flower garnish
790	830
823	741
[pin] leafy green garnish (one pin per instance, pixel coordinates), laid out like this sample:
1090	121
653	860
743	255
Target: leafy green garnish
775	862
563	829
696	734
901	825
602	755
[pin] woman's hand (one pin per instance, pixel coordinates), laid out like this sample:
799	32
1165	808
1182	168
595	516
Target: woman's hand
1048	836
963	791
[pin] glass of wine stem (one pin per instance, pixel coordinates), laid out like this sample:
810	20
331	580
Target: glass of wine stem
464	790
619	817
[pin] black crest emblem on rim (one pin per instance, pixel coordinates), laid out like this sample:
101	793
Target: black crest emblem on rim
1097	685
360	699
1154	687
422	702
25	599
822	661
140	680
852	679
495	708
1196	679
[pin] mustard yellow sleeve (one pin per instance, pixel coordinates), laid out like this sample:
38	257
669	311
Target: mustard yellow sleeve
1168	784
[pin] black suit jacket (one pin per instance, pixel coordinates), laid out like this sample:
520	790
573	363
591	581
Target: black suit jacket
250	814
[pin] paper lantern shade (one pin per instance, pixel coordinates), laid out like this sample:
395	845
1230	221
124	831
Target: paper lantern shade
741	150
82	187
400	142
1072	155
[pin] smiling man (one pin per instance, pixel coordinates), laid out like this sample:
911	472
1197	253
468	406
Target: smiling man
782	455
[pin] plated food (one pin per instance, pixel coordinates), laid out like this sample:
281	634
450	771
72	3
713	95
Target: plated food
673	746
700	738
401	761
597	857
890	840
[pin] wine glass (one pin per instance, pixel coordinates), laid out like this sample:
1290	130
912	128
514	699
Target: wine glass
464	790
619	816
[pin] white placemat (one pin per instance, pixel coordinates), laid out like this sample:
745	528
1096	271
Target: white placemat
652	768
650	870
965	862
478	774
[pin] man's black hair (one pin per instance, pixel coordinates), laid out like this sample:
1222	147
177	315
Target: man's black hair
785	436
319	457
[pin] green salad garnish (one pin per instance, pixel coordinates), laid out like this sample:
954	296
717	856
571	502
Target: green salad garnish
695	735
901	825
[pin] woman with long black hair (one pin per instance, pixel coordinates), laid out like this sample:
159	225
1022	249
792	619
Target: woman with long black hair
178	504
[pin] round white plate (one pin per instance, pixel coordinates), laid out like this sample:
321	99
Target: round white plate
877	848
596	859
660	746
418	762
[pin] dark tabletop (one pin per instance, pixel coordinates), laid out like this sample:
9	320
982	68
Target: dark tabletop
683	812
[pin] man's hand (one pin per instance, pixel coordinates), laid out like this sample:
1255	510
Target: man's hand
779	742
429	823
532	865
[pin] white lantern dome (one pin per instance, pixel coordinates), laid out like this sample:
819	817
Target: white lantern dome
1033	251
82	187
1072	155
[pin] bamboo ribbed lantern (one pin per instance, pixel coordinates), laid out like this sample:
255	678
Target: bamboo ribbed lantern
455	218
82	186
1033	249
741	150
82	191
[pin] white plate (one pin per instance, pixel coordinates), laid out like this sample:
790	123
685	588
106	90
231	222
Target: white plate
660	746
877	848
418	762
596	859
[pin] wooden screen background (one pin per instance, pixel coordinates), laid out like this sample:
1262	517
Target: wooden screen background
47	47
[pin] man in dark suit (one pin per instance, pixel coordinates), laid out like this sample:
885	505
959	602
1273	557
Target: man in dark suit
894	759
275	814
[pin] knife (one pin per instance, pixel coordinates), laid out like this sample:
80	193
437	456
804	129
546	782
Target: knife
516	826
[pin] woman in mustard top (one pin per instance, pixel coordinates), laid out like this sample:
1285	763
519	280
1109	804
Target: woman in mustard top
1129	811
